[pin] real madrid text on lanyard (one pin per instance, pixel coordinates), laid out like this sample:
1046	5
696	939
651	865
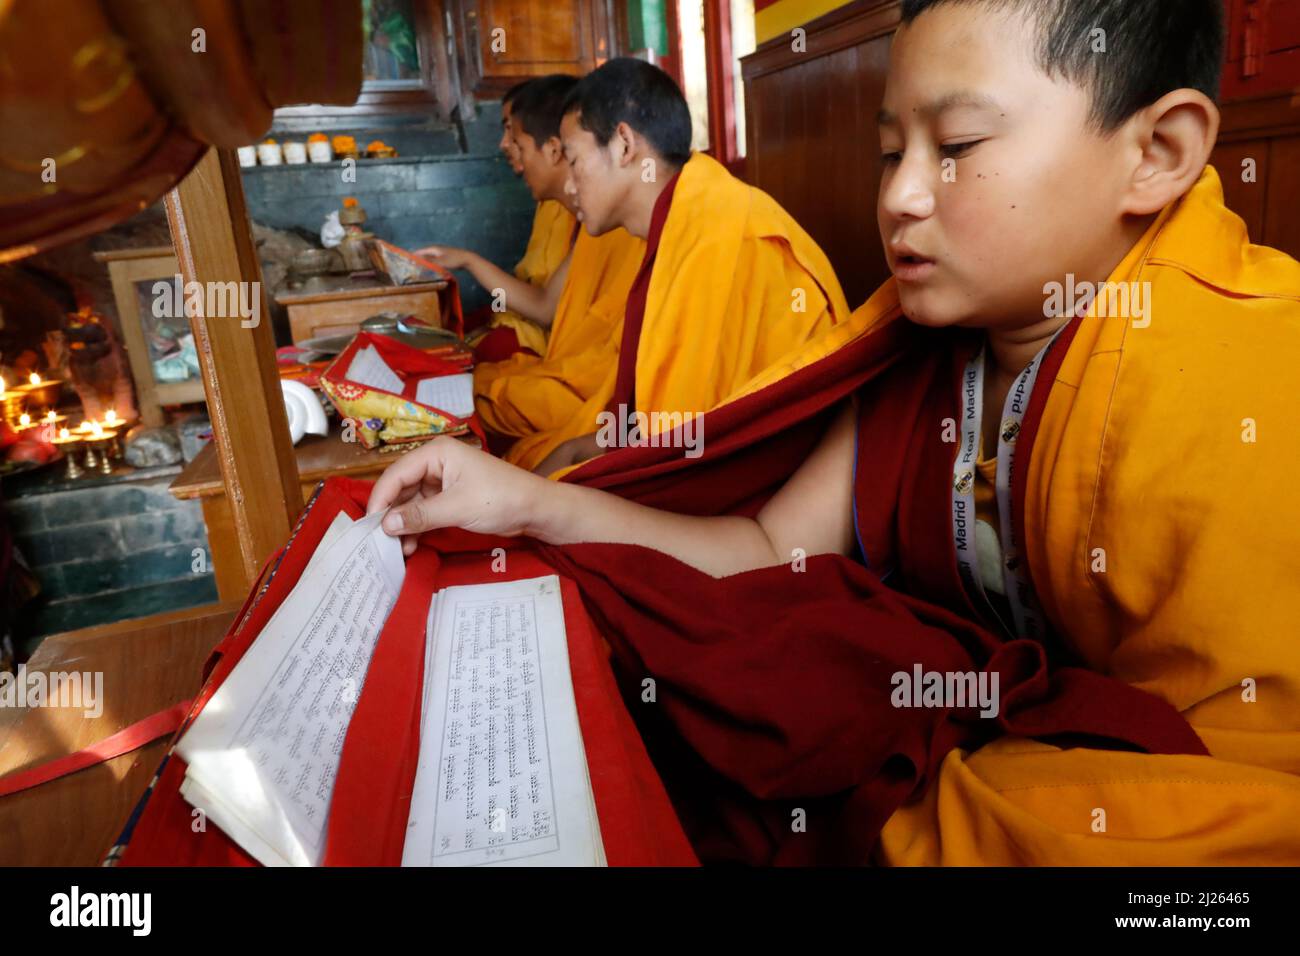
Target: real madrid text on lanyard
1028	616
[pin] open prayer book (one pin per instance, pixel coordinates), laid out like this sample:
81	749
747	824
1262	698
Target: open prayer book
450	393
502	773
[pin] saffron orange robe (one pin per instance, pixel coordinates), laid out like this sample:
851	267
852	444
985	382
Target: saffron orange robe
548	245
1160	540
527	394
736	286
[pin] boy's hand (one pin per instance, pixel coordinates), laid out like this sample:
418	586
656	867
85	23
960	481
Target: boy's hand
448	484
448	257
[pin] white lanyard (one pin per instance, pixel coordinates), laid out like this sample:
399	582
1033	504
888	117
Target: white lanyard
1028	617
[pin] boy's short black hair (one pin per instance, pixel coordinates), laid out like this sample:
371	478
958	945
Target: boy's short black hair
1153	47
626	90
538	108
514	91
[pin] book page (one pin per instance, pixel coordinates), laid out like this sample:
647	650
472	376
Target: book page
451	393
264	753
368	368
502	774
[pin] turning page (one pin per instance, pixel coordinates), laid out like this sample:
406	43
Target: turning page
264	753
502	774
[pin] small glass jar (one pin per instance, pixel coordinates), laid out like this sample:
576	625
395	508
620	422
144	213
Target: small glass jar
319	151
270	154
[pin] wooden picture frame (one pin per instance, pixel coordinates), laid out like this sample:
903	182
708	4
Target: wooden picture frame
127	269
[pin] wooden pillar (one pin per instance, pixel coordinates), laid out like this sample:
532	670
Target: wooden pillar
213	243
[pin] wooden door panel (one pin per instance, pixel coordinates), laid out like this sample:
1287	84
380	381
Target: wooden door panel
550	33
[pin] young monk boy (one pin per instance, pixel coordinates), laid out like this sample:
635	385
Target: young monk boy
548	248
729	284
526	394
1107	473
507	142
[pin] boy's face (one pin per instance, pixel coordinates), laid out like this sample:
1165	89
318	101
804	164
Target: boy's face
993	182
507	144
541	165
594	179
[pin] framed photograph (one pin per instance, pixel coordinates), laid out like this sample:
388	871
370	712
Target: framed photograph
159	343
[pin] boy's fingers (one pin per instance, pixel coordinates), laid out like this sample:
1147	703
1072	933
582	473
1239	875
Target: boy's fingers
424	513
409	471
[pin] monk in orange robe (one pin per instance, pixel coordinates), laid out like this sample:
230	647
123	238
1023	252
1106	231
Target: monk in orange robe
523	303
730	282
1055	228
526	394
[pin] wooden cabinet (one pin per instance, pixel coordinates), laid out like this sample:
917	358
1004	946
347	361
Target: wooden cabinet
147	665
1263	47
506	41
1258	158
134	272
337	305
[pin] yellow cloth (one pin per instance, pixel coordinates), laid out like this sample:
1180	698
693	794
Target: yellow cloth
548	245
1143	460
737	286
527	394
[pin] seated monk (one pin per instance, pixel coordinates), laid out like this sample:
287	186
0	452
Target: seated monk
729	284
1093	472
517	312
526	393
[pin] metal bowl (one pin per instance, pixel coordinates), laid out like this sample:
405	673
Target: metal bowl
315	262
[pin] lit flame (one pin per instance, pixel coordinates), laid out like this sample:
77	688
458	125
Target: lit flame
63	434
34	379
86	426
51	417
111	416
97	429
24	419
2	386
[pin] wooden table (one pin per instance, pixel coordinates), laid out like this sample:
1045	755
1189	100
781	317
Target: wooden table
148	664
319	457
337	305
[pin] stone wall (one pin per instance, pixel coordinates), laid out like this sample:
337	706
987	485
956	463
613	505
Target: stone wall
107	552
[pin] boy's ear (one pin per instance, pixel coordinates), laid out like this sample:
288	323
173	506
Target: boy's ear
1175	135
624	141
554	150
